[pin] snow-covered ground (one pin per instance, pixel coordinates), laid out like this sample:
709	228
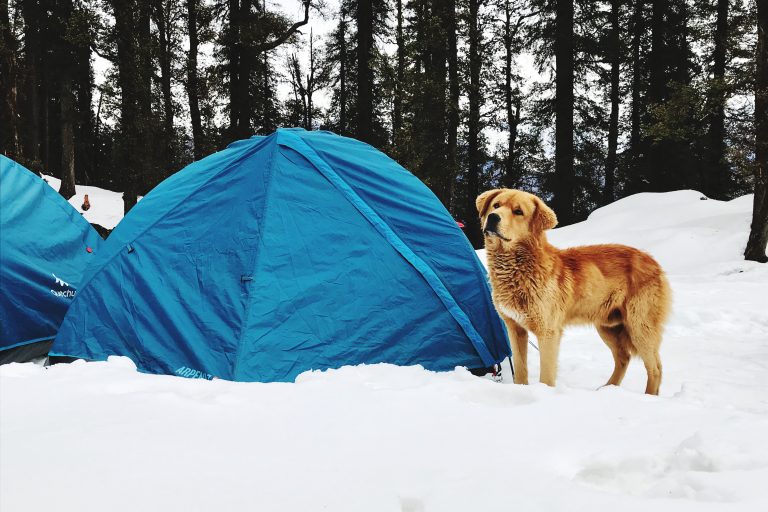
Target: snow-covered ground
100	436
106	206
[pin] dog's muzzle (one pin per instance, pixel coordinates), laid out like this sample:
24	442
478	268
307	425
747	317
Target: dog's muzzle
492	224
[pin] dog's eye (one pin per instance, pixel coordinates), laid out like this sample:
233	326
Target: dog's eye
496	205
518	212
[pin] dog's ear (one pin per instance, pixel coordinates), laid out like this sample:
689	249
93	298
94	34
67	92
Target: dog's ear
483	201
543	218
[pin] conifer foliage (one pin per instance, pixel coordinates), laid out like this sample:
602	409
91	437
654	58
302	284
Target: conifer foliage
582	102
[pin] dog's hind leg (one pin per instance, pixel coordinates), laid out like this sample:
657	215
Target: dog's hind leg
518	339
652	362
617	340
646	314
646	340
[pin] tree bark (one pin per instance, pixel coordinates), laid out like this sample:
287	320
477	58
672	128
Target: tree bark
474	98
234	49
148	176
164	54
511	177
758	235
637	35
33	61
67	102
397	107
85	139
343	121
715	180
609	191
130	147
364	71
245	70
563	200
193	89
432	125
657	90
9	120
64	55
453	102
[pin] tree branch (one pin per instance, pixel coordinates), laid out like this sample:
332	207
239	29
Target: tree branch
271	45
106	56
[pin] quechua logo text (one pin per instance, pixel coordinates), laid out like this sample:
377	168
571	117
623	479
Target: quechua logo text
62	288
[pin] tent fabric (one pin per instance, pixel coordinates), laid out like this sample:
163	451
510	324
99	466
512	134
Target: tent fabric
44	250
281	254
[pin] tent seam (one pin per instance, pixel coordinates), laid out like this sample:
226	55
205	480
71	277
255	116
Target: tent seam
264	209
428	274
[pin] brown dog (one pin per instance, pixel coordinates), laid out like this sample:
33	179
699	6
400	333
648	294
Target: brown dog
540	288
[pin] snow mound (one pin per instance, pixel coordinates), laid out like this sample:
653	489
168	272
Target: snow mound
106	206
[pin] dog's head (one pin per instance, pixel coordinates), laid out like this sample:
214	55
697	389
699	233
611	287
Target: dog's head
508	216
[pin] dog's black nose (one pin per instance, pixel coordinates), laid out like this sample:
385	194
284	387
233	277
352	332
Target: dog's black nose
492	221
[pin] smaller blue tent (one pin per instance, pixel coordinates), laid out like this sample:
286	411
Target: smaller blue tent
297	251
44	249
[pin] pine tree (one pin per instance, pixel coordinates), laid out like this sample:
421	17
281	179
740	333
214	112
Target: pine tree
563	187
758	235
10	143
192	85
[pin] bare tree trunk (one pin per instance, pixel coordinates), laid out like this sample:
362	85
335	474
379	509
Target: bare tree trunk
714	182
64	54
163	29
234	49
343	121
758	235
33	60
609	191
563	200
193	89
658	80
453	102
311	79
364	71
9	124
511	104
148	176
130	147
473	124
637	34
245	70
397	109
67	187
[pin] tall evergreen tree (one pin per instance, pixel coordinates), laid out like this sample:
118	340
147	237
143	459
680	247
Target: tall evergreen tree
10	143
364	70
714	182
563	187
614	58
474	101
758	235
192	85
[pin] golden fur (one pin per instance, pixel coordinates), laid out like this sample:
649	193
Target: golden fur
539	288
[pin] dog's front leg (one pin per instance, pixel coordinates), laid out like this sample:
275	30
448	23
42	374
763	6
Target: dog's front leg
518	339
549	349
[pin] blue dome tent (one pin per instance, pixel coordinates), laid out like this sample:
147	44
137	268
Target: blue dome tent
45	245
296	251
